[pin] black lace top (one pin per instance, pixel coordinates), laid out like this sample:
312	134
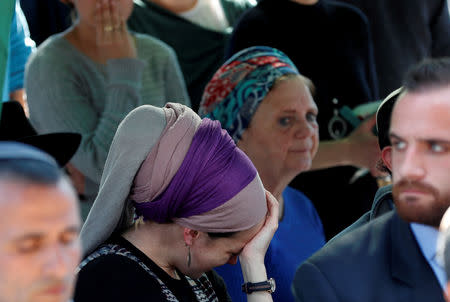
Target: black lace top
118	271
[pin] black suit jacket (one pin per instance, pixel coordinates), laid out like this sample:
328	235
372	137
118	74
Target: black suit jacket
380	261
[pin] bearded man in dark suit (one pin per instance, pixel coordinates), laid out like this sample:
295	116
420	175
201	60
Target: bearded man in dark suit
393	258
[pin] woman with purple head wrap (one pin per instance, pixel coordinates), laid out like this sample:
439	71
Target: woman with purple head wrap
260	98
177	198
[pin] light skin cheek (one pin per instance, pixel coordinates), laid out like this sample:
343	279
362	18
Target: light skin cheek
269	147
442	180
75	256
286	142
316	146
17	276
280	140
279	150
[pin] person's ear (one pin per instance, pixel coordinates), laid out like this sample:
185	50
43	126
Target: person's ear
190	236
386	156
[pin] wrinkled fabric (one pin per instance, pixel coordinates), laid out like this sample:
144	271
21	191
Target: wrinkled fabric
212	172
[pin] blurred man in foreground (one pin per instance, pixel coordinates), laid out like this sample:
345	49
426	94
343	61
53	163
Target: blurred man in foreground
393	258
39	245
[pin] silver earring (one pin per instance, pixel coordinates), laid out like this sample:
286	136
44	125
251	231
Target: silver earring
189	256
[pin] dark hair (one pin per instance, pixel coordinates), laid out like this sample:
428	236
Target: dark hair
428	74
382	167
221	235
30	170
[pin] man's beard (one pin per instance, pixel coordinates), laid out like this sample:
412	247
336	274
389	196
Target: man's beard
428	212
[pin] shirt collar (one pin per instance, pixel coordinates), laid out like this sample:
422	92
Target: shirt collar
426	237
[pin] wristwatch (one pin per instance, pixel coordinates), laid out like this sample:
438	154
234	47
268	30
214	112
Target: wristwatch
268	285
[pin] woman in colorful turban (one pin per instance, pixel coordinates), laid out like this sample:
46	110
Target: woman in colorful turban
260	98
177	198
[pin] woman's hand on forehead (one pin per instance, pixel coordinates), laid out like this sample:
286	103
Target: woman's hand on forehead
256	248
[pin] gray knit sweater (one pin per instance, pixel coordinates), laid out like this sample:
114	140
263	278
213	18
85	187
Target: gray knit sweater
67	91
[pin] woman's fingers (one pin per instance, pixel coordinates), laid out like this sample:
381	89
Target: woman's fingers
271	223
257	247
99	22
107	22
104	22
272	210
116	21
113	39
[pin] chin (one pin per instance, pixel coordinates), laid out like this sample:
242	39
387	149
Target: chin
302	166
420	214
428	209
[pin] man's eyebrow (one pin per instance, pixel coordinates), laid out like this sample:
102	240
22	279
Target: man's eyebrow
72	229
427	140
393	135
38	236
436	140
29	236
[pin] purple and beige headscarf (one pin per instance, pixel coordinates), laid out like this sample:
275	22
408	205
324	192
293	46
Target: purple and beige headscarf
239	86
168	165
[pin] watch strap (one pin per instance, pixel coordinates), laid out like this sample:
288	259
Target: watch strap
268	285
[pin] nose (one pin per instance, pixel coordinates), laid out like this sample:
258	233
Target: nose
232	260
304	129
411	165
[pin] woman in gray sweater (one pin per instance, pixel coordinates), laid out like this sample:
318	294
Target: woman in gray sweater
89	77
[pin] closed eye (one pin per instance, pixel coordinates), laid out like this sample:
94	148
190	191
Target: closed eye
69	237
29	245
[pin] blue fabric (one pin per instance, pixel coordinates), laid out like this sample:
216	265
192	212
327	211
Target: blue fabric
299	235
20	47
427	238
7	11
